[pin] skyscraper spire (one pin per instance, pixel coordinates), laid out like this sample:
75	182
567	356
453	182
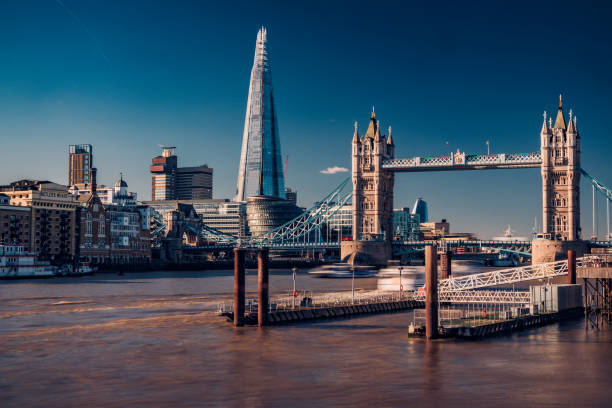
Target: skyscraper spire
261	166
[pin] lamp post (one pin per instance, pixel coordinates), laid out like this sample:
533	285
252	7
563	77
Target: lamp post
294	270
353	285
401	287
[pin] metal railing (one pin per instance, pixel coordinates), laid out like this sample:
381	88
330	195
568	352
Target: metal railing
509	276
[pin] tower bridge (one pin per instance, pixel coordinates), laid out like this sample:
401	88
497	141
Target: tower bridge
371	193
373	174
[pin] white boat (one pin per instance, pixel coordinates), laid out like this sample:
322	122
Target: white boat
343	270
502	260
16	262
508	237
83	269
411	277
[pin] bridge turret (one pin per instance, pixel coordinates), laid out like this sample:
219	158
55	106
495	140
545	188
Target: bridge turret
390	146
545	133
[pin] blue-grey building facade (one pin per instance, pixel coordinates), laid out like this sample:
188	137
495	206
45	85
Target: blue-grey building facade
261	168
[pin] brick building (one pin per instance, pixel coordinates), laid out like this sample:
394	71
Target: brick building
113	234
53	226
14	223
94	230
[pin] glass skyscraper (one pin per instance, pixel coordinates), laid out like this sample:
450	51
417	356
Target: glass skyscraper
261	167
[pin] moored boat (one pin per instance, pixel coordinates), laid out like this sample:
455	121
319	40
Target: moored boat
16	262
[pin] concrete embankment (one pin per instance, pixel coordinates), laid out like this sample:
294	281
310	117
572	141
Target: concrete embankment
204	266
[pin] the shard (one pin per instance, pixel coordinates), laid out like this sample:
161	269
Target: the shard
261	168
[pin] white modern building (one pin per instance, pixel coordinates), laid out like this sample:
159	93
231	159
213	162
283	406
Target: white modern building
221	214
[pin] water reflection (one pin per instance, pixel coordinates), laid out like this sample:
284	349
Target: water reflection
160	344
431	377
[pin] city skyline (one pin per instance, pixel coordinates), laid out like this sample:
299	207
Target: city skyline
438	92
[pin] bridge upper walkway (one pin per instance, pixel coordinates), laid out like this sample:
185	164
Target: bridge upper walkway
462	161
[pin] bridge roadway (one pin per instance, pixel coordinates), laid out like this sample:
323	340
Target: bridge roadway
462	161
513	246
522	248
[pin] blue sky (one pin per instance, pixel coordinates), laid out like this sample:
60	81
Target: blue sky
127	76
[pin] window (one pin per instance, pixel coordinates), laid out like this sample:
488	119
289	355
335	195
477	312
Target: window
101	226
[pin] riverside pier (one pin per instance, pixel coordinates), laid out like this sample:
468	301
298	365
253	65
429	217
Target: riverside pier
470	306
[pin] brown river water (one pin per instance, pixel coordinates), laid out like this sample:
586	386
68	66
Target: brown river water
153	339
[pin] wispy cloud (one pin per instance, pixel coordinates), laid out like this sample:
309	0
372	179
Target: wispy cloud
334	170
84	28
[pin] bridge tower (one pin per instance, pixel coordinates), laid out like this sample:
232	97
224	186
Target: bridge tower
560	168
372	196
560	149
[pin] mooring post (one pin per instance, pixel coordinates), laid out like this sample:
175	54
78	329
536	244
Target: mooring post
262	286
431	292
445	264
571	267
239	298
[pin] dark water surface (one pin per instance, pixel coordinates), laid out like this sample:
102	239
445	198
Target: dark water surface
154	340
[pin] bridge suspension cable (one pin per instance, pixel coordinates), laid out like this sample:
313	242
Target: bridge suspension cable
308	221
607	193
294	233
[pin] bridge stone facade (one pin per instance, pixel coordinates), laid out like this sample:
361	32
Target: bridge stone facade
560	168
372	196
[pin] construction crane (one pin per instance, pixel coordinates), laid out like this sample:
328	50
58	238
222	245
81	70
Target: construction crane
285	170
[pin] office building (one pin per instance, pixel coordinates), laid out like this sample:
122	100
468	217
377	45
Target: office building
170	182
420	209
81	172
113	234
223	215
118	194
265	213
406	226
163	171
291	195
194	183
435	230
130	236
260	171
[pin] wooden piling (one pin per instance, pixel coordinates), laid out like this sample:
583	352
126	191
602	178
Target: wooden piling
431	292
239	295
262	285
571	267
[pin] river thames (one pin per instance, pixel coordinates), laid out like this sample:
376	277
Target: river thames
153	339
